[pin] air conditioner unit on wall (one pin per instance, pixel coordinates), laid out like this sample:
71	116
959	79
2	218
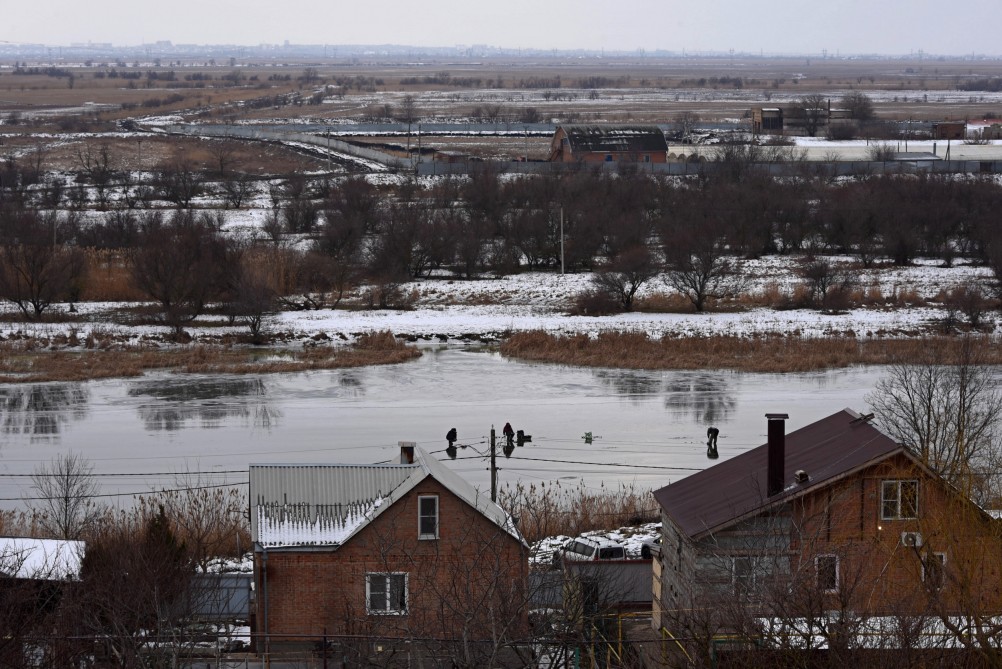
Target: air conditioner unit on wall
911	539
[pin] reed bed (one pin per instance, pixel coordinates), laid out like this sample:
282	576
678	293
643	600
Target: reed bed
768	354
543	510
18	364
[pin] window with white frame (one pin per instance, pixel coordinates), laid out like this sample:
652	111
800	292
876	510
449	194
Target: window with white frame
933	570
898	499
826	569
386	593
428	517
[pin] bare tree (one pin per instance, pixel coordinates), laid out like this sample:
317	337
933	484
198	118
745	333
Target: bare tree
881	153
237	190
696	263
859	104
35	270
66	489
829	283
179	181
182	265
684	123
251	299
625	275
97	168
136	586
947	410
814	109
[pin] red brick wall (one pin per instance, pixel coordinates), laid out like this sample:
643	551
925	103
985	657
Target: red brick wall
882	576
471	580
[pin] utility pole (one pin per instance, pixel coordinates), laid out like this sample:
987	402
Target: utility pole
561	240
494	468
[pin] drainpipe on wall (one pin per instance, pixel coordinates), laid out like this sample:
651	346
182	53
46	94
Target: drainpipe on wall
264	593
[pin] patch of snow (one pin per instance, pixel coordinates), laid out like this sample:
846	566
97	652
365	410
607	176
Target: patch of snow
41	559
293	526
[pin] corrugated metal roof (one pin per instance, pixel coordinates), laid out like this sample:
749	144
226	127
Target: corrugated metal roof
322	485
616	138
727	492
310	493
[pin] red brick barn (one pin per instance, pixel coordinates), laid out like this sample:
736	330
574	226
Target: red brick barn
378	558
832	538
608	143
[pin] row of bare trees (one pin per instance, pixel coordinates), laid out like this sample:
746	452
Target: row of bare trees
629	226
131	601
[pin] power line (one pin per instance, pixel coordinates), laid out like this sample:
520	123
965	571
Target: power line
128	494
592	464
110	474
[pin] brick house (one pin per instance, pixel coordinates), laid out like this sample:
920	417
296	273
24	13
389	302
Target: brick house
370	556
827	535
609	144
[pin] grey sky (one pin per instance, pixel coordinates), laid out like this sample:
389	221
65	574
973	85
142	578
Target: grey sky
777	26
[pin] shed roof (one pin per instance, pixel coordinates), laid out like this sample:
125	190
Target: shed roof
327	504
915	155
615	138
826	450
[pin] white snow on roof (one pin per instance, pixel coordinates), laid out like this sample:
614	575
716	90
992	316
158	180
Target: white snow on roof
41	559
284	526
324	516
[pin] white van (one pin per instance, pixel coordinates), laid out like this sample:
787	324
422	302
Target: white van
589	548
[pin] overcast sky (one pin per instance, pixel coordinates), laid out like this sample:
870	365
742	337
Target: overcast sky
775	26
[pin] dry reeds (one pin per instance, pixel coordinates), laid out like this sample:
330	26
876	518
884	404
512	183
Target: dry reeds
549	510
109	277
26	364
769	354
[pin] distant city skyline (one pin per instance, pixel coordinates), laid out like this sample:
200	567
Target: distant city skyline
887	27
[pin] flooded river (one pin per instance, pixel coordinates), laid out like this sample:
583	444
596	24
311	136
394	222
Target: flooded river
648	428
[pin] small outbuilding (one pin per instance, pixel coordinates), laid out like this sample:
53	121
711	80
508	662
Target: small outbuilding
949	130
767	120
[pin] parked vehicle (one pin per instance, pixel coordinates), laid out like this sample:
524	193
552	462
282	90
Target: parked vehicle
650	547
589	548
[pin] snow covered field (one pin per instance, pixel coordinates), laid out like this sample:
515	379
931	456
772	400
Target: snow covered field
453	309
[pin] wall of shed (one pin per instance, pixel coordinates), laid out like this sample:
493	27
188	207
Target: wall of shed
675	573
471	579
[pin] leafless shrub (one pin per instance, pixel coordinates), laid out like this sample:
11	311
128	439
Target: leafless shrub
968	300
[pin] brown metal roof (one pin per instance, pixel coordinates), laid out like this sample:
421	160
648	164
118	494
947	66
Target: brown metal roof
615	138
727	492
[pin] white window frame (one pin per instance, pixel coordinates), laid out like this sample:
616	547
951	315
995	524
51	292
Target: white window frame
385	579
427	536
896	498
817	571
941	557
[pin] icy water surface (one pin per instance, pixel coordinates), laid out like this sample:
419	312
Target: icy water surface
648	428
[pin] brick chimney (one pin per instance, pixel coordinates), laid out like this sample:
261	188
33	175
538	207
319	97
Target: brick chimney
777	453
407	452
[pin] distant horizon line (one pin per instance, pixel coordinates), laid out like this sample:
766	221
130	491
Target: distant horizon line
487	50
